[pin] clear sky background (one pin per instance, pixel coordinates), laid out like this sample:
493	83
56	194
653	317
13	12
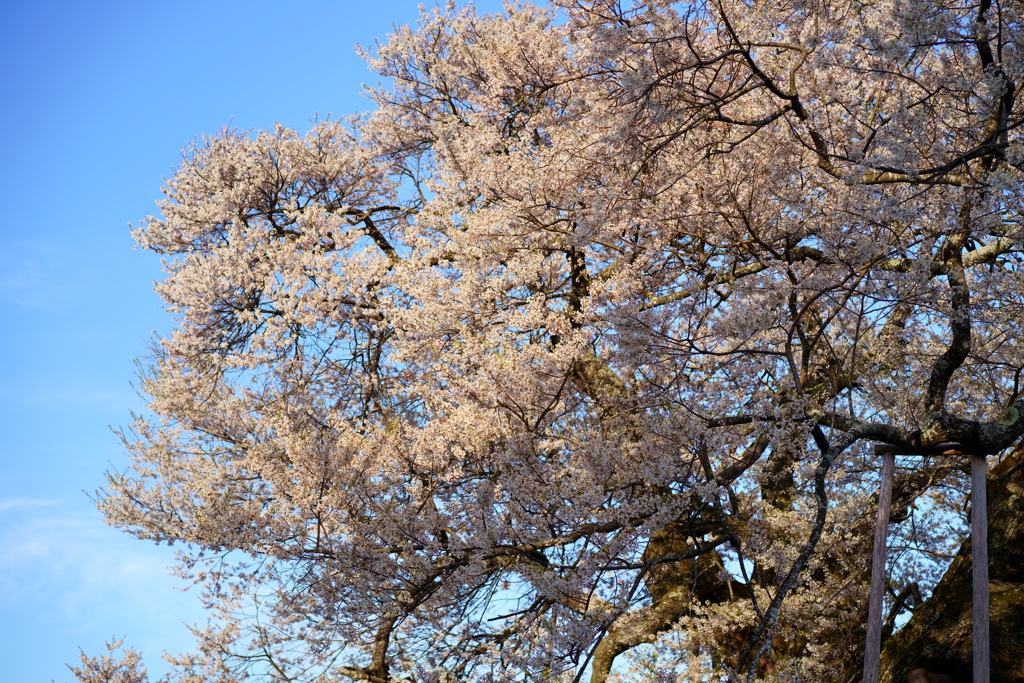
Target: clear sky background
97	100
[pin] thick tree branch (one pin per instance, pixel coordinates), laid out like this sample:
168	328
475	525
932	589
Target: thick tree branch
960	321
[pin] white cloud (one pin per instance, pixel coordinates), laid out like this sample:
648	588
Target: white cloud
77	563
68	579
17	503
44	396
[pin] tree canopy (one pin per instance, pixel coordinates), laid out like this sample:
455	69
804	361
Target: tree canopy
571	353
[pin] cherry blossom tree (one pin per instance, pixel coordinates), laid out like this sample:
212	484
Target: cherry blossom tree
566	361
110	669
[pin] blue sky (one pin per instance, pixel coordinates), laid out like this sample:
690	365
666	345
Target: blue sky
98	100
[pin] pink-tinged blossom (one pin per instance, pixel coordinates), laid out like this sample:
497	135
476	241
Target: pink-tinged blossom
579	341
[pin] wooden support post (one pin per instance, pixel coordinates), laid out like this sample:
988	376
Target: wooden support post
873	647
979	555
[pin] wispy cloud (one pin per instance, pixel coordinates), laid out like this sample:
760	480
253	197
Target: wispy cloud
68	580
36	274
73	566
62	397
19	503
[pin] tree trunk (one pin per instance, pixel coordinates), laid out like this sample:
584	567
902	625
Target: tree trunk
938	637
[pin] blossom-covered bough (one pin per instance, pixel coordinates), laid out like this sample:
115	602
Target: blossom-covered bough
581	340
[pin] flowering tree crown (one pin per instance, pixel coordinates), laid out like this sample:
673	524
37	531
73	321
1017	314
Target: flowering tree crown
578	341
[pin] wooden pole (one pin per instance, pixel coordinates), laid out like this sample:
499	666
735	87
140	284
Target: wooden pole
979	555
873	647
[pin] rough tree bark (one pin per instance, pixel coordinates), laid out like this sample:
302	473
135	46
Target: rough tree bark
936	642
938	636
